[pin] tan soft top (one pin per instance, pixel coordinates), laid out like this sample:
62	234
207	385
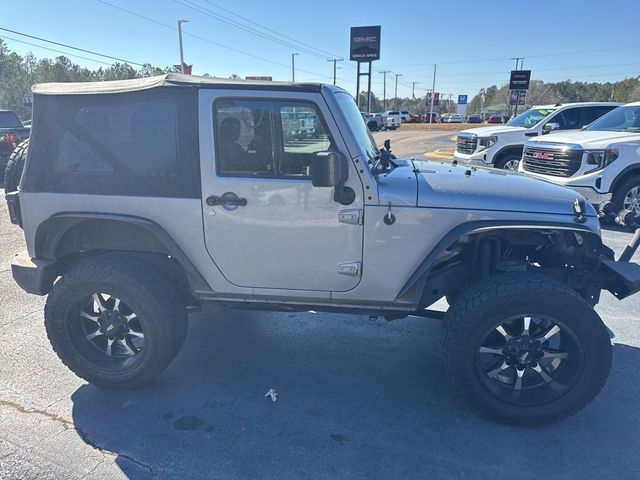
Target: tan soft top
166	80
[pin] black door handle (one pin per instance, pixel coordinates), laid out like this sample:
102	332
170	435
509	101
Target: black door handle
228	199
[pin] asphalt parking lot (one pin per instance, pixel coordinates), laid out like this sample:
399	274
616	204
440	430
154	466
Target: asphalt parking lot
357	398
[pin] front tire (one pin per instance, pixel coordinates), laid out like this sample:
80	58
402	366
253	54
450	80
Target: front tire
508	162
525	349
627	196
115	321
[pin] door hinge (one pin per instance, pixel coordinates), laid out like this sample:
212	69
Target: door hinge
351	269
351	216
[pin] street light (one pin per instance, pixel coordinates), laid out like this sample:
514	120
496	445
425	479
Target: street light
180	22
293	66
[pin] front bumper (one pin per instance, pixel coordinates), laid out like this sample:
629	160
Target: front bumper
478	158
33	275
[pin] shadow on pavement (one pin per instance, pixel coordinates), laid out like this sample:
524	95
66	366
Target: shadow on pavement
356	398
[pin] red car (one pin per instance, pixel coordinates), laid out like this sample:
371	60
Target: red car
495	118
416	118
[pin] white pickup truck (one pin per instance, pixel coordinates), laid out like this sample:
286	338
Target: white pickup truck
391	120
501	145
601	162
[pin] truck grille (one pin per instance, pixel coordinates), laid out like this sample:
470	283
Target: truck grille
466	144
558	162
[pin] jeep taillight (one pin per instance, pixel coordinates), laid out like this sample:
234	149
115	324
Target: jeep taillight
13	204
11	139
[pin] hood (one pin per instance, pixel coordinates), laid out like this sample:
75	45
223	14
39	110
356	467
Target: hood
497	130
588	139
444	185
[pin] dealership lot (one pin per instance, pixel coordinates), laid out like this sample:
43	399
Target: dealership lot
357	398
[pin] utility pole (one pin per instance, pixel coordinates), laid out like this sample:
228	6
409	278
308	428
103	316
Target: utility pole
433	93
293	66
395	94
384	88
413	90
334	60
180	22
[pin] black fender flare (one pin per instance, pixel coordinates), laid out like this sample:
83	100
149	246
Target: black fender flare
416	282
50	232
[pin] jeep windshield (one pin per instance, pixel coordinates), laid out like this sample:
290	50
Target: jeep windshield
530	118
621	119
360	131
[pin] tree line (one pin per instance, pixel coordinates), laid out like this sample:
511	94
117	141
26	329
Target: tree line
18	73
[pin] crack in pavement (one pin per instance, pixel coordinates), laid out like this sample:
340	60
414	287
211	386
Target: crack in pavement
20	317
83	435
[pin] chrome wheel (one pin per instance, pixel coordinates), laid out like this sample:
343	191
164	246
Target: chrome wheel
529	360
106	331
511	165
632	200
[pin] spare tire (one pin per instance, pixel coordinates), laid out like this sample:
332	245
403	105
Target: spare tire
15	165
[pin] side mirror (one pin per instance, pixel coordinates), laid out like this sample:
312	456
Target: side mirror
550	127
329	169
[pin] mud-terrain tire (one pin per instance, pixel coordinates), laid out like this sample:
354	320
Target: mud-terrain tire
525	372
629	186
15	165
124	298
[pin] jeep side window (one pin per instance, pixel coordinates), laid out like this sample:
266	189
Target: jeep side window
267	138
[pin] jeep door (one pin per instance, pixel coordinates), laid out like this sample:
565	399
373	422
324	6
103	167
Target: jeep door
265	224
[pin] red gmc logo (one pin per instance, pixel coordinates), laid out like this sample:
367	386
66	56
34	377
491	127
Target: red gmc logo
543	155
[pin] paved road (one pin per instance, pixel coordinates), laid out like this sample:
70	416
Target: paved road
356	399
414	143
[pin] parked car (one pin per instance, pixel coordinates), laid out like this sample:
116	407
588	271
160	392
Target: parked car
12	132
601	161
502	146
474	118
416	118
391	120
434	117
136	205
455	118
495	119
374	121
444	118
405	116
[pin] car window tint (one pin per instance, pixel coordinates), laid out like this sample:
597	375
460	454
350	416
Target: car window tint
568	119
268	139
76	157
589	114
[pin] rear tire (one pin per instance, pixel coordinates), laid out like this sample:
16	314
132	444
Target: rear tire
15	165
627	195
525	349
115	321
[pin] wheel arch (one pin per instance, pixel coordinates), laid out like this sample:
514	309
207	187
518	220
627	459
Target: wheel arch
628	172
65	237
515	148
425	274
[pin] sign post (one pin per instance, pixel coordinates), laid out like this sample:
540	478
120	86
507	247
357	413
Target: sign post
364	48
518	86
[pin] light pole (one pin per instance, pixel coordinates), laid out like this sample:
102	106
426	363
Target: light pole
433	93
293	66
395	92
334	60
180	22
384	88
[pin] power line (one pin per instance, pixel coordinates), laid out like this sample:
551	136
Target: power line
271	30
54	50
207	40
71	47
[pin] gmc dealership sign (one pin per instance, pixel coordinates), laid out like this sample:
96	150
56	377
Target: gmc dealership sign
365	44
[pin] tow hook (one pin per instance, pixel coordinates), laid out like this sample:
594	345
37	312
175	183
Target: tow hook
626	219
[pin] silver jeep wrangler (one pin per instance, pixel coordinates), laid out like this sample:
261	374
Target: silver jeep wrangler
143	199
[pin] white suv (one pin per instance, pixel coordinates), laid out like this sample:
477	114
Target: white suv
600	162
501	146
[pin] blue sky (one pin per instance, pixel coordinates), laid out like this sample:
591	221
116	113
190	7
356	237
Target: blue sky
472	42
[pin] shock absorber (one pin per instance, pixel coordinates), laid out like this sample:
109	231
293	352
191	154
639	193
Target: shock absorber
627	218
